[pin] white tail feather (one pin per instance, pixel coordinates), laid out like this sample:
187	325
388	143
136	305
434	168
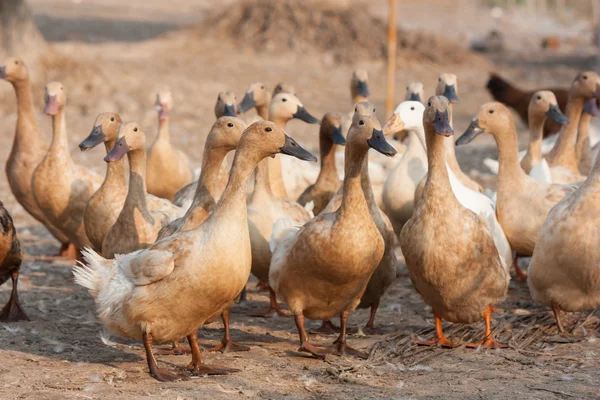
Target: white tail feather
310	206
94	273
280	229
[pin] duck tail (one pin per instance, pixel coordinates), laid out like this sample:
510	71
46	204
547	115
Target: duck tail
281	229
94	273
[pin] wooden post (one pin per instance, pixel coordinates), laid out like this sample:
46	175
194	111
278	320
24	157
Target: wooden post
391	60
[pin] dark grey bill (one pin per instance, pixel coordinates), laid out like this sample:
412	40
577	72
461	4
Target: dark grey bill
441	123
229	110
336	136
414	97
305	116
291	148
591	107
362	89
121	148
556	115
247	103
450	94
471	133
94	139
377	142
3	72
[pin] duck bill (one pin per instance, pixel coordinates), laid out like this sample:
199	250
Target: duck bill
414	97
450	94
377	142
556	115
597	92
229	110
441	123
3	74
591	107
362	89
337	137
163	112
121	148
94	139
292	148
393	126
471	133
304	115
51	106
247	103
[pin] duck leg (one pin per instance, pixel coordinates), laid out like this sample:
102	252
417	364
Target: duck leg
440	338
370	326
488	341
243	296
273	310
326	328
556	311
340	345
262	287
13	311
159	374
67	250
304	343
227	345
520	274
197	367
175	350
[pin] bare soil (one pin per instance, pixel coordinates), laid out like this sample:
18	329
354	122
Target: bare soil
116	62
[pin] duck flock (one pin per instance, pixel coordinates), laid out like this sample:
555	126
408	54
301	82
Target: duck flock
162	254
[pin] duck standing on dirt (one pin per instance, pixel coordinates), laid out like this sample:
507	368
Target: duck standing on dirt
10	263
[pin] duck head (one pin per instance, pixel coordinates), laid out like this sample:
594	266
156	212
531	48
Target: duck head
131	138
408	116
286	106
225	105
448	87
543	104
106	129
492	118
284	87
436	116
164	103
586	85
14	70
225	133
359	85
365	131
55	98
265	138
331	128
415	92
256	95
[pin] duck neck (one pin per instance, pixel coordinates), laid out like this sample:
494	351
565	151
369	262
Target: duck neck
354	201
583	136
565	144
450	153
163	130
365	183
262	185
59	133
136	196
275	173
327	150
417	147
536	135
437	183
358	99
263	111
115	171
206	188
28	134
234	195
509	167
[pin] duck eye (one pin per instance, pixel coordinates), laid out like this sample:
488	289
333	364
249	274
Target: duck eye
268	129
429	104
373	110
361	122
539	97
230	125
355	109
412	109
135	129
62	88
585	77
284	99
491	111
439	79
262	87
112	119
16	63
407	88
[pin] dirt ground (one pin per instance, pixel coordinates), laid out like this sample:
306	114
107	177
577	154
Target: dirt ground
113	57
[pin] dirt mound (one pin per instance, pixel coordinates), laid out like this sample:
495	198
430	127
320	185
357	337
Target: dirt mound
348	33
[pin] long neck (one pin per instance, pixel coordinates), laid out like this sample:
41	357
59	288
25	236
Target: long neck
358	99
583	135
234	195
438	183
163	129
509	169
353	200
365	182
450	153
565	145
536	134
27	133
136	196
327	149
262	185
263	111
211	164
59	131
115	171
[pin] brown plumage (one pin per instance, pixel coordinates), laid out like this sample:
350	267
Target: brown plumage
517	99
10	262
